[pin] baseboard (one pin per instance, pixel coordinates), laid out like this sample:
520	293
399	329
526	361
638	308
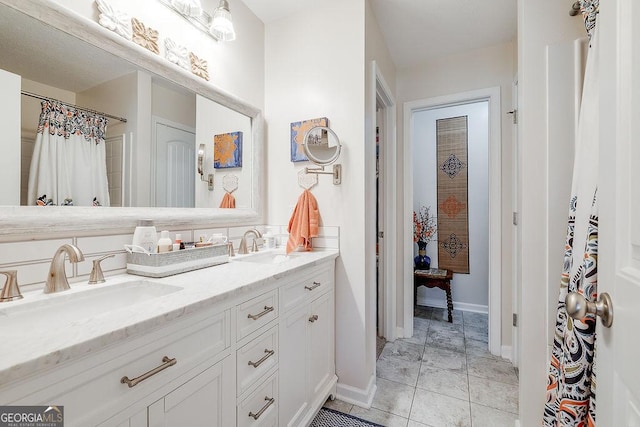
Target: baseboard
462	306
507	352
357	396
400	332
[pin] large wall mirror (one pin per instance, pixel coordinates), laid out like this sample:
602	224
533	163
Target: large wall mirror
151	159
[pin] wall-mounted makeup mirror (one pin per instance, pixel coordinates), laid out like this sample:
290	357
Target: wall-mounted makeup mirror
52	45
322	146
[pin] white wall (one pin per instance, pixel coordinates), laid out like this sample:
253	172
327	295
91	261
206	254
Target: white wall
315	68
478	69
540	24
471	290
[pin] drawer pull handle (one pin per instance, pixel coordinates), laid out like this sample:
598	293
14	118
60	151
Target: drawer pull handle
265	357
131	383
267	309
315	285
313	318
270	401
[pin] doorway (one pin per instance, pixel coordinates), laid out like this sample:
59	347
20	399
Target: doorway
386	206
492	97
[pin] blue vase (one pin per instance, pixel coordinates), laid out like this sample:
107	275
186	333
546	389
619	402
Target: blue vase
422	261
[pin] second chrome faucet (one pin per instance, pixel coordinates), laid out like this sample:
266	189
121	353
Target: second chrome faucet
57	278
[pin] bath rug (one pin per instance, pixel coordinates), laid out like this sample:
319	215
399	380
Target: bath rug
453	189
330	418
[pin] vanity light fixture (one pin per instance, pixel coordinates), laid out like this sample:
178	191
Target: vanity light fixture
188	7
221	23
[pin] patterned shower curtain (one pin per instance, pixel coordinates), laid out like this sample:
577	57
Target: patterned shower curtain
69	166
571	384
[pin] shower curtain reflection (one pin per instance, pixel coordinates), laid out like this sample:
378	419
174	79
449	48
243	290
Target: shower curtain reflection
68	166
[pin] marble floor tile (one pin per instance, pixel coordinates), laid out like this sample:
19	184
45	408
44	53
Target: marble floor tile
494	394
393	397
442	358
444	382
449	340
398	370
338	405
404	350
496	370
442	315
422	311
413	423
479	349
440	411
476	319
483	416
419	337
446	327
379	417
420	323
477	334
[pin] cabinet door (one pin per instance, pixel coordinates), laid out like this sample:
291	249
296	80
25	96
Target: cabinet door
207	399
293	367
321	343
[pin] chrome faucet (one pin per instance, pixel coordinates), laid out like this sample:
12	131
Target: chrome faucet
243	243
57	278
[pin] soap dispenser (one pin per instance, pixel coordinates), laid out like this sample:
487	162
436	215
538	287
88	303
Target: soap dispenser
145	236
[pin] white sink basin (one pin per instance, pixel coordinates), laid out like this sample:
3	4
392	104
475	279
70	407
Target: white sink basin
80	304
276	257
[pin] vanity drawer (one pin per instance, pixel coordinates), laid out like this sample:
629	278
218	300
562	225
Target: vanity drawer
256	358
256	312
90	389
260	408
306	288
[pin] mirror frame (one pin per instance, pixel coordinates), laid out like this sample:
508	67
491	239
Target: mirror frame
23	222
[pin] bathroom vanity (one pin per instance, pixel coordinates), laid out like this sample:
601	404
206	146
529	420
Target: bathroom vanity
247	343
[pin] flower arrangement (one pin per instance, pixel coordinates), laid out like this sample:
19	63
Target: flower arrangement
424	225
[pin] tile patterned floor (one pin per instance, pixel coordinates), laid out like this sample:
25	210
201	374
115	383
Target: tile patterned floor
443	376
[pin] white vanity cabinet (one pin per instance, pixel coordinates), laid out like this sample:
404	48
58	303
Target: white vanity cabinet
307	355
261	358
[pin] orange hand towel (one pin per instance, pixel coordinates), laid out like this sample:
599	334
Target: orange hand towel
228	201
303	224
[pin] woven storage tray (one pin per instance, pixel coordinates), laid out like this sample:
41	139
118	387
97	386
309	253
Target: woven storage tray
169	263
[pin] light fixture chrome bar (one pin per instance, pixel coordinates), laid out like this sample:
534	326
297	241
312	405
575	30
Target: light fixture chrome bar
202	22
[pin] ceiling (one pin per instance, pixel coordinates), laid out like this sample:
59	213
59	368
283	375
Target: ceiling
417	31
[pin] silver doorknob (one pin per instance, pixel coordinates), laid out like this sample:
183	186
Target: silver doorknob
578	307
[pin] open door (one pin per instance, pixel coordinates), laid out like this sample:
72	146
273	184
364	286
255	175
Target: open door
618	347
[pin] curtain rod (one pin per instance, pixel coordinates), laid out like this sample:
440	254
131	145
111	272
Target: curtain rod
46	98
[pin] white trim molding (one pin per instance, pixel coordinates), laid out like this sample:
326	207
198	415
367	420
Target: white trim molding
492	95
357	396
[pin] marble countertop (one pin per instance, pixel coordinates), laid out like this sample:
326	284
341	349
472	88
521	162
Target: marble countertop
35	343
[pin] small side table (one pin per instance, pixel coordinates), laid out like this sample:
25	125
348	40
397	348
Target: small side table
434	281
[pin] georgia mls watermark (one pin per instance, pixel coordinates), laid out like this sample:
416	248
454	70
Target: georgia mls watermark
31	416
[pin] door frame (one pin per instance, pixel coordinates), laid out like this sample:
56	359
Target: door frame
155	121
384	95
492	95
